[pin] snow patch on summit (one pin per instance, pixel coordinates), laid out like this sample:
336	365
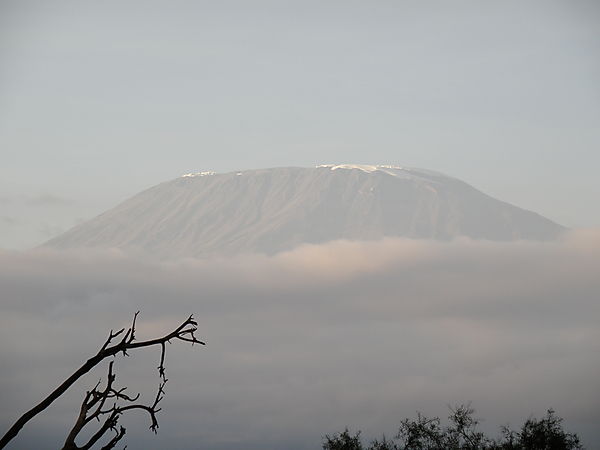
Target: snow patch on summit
396	171
198	174
408	173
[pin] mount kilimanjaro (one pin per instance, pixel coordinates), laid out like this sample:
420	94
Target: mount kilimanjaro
273	210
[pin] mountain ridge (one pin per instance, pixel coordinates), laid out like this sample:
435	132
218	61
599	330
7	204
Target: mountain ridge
276	209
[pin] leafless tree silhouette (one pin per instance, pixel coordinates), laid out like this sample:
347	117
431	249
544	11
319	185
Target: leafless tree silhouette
106	405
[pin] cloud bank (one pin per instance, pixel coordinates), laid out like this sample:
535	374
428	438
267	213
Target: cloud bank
303	343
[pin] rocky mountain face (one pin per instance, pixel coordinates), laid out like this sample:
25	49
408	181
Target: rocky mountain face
272	210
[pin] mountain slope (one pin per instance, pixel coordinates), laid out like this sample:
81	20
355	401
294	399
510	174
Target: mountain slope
271	210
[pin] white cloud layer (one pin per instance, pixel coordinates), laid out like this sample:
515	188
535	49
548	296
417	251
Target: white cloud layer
304	343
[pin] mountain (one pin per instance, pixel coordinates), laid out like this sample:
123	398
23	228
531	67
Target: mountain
272	210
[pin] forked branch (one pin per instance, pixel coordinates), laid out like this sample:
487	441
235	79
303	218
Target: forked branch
95	400
93	407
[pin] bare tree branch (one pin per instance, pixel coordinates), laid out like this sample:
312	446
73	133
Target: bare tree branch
94	398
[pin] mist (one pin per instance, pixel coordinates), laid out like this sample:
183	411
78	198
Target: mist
307	342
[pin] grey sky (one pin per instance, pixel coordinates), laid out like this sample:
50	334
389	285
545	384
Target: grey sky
310	341
99	100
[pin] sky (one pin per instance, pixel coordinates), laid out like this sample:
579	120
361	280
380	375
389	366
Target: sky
100	100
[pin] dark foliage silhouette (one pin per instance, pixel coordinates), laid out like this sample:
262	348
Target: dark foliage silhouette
343	441
461	433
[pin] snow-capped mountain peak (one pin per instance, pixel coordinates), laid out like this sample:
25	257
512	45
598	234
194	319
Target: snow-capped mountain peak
271	210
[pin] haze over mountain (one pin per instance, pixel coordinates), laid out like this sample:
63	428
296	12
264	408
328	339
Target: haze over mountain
277	209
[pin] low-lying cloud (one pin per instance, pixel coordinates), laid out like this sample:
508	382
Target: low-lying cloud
306	342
